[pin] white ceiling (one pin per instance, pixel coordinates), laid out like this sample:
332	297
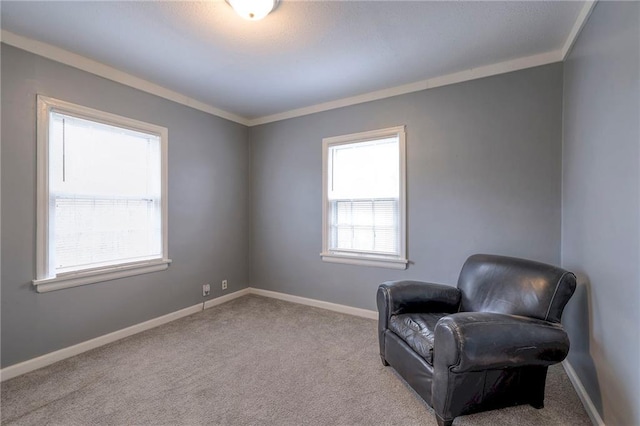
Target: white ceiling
304	53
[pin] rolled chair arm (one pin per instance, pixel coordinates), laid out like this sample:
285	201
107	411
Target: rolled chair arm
469	341
401	297
398	297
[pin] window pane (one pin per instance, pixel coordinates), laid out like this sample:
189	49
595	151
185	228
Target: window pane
364	198
365	226
98	159
92	232
365	169
105	190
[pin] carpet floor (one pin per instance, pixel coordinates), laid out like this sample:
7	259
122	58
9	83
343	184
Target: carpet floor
251	361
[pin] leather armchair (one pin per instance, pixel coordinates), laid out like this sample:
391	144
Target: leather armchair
484	344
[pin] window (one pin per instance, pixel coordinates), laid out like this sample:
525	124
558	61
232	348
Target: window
102	196
364	199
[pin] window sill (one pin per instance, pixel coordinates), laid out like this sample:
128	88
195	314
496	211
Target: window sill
74	279
380	262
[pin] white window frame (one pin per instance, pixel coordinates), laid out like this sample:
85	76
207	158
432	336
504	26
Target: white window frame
355	257
48	280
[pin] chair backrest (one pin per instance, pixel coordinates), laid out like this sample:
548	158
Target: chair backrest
508	285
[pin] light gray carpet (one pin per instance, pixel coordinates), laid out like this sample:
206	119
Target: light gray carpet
252	361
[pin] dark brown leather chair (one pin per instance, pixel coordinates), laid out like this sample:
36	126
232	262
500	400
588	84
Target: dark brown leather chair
486	344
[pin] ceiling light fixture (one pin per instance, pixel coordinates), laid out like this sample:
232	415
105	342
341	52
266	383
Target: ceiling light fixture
253	10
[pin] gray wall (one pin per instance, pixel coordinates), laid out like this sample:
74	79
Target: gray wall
208	212
483	175
601	208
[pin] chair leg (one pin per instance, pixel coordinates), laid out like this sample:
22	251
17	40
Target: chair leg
384	361
443	422
537	404
536	384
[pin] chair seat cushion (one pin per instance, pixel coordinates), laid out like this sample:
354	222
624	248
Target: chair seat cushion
417	331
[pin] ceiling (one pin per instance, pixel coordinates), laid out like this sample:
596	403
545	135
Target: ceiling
304	53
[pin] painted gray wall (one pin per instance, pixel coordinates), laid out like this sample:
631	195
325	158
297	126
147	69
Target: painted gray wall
601	208
208	212
483	175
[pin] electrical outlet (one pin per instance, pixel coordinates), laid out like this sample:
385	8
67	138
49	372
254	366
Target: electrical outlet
206	290
224	284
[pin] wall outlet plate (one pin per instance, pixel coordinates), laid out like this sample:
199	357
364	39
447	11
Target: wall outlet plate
224	284
206	290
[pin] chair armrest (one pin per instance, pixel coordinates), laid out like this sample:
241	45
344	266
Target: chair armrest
400	297
469	341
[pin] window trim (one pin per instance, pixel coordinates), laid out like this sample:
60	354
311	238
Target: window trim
47	280
363	258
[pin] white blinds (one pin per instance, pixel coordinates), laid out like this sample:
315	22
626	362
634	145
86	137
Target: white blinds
365	226
105	194
364	197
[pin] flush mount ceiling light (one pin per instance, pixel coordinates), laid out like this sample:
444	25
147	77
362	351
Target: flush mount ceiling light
253	10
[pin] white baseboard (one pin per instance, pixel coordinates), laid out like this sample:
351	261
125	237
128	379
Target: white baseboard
47	359
226	298
52	357
364	313
582	394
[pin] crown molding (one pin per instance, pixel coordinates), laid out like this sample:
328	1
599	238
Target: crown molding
98	68
581	20
445	80
72	59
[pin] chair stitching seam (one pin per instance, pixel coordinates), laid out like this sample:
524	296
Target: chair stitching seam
546	317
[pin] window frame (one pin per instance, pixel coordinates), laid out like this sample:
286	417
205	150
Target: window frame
360	257
47	279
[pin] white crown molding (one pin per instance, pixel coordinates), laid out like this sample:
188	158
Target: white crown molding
589	407
94	67
102	70
581	20
89	65
458	77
